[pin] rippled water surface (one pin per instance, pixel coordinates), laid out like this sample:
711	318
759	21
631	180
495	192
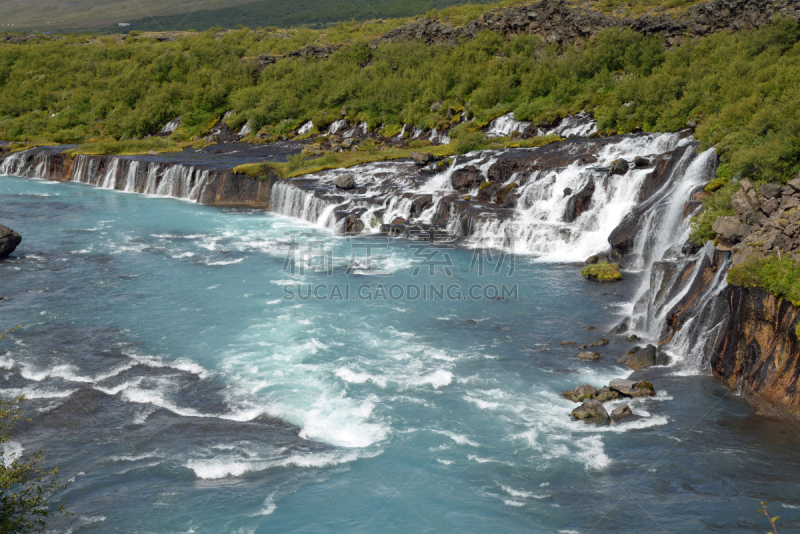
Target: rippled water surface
182	392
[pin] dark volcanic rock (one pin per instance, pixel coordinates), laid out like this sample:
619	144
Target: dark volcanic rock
466	179
9	241
619	166
579	202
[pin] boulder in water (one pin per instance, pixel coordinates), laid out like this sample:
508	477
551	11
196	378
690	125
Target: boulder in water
641	359
621	412
643	388
641	162
581	393
621	385
589	356
619	166
466	179
345	181
9	241
591	410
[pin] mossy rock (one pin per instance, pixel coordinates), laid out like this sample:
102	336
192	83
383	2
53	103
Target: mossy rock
484	185
603	272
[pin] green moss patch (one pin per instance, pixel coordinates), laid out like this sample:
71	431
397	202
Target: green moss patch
604	272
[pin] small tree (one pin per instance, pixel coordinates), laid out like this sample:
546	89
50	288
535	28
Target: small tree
25	485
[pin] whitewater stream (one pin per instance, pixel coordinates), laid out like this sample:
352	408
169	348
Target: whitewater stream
196	369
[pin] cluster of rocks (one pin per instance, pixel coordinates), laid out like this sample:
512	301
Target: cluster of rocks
9	241
766	222
592	399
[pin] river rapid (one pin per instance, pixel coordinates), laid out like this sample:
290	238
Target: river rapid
177	369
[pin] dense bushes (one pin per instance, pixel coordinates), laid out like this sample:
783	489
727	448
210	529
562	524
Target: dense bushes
741	88
779	276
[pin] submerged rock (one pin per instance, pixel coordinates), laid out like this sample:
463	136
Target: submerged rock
643	388
9	241
591	410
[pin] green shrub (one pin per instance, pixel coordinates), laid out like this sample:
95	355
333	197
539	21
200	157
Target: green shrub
779	276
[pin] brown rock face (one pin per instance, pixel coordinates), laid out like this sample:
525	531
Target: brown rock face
759	351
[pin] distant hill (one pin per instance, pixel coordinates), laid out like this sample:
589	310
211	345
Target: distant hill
280	13
93	15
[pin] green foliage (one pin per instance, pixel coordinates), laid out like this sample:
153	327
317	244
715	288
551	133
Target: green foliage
740	87
779	276
25	486
130	147
717	204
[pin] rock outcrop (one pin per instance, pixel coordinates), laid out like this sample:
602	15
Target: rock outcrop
563	21
758	352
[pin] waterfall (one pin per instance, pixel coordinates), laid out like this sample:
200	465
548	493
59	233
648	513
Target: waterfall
505	125
14	164
109	179
537	226
129	184
295	202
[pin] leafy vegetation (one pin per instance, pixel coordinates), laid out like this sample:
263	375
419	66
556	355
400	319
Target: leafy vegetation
779	276
740	87
129	147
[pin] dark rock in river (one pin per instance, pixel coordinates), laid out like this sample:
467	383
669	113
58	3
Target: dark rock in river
591	410
466	179
9	241
590	356
580	393
641	359
345	181
619	166
579	202
621	412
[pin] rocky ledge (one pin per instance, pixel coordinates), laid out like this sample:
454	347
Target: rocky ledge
766	222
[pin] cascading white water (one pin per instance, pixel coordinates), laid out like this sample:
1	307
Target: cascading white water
294	202
14	164
505	125
538	226
109	179
580	125
304	129
129	185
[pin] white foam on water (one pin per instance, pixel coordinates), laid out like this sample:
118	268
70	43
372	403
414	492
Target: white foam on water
522	494
11	451
458	438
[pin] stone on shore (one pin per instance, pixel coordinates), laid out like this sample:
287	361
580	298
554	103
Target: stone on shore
9	241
